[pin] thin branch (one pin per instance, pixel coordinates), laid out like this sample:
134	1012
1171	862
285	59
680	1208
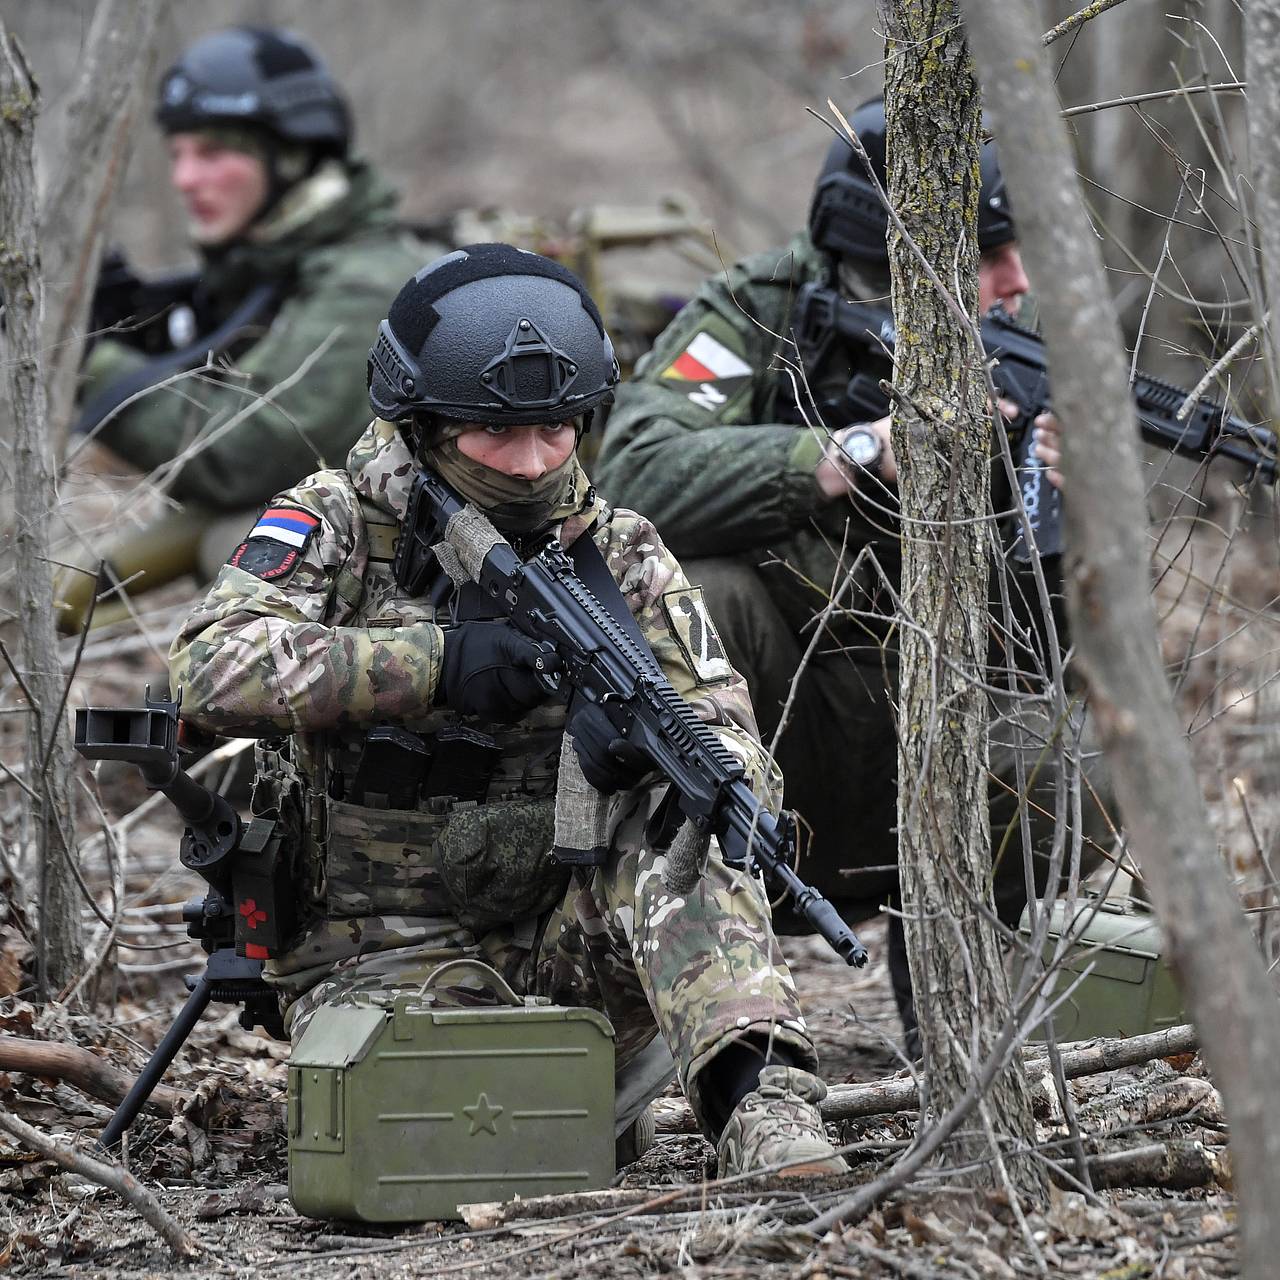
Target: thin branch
112	1176
71	675
1185	91
1078	19
1217	367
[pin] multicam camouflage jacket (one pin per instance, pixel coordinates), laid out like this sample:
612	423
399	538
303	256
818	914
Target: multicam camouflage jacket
320	645
338	256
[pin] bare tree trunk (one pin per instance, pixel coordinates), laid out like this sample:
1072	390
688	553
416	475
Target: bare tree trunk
1262	72
115	78
942	441
60	943
1109	596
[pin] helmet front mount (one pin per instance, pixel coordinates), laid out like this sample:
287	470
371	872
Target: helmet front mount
495	335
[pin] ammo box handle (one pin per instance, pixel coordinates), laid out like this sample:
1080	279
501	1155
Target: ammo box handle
473	968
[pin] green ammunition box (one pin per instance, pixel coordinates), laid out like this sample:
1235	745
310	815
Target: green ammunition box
401	1109
1128	990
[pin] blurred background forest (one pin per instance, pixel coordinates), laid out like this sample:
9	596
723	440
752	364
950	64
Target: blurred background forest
545	106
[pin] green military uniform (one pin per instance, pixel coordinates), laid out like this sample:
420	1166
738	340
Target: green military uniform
336	253
326	646
708	439
335	249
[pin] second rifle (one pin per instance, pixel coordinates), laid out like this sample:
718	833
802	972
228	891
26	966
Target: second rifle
1020	373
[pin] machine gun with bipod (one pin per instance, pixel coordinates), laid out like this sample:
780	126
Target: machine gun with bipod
247	913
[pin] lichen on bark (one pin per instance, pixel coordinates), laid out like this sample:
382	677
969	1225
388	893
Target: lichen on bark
941	438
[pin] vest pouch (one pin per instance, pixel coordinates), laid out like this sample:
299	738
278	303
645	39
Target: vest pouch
496	864
280	797
380	861
278	791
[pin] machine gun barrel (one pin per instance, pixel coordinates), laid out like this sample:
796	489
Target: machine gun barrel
148	737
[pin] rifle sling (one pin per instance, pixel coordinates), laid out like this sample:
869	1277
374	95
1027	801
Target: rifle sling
383	531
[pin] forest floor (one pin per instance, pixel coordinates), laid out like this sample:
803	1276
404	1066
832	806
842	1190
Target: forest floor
220	1169
219	1164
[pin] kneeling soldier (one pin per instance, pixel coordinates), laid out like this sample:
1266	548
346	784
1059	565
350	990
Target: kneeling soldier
418	752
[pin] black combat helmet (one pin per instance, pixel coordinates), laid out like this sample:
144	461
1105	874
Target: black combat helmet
847	217
261	78
492	334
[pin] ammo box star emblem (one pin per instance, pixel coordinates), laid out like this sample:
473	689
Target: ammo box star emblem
483	1115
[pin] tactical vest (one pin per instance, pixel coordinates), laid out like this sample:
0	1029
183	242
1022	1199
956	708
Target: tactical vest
434	816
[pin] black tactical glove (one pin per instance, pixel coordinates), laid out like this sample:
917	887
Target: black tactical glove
609	762
489	671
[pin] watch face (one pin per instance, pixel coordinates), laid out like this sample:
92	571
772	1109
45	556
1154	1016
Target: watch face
862	446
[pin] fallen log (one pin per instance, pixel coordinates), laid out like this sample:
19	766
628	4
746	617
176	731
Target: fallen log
1173	1166
884	1097
81	1068
1135	1107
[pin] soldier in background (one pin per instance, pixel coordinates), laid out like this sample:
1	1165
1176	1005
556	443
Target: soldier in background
711	439
443	849
299	248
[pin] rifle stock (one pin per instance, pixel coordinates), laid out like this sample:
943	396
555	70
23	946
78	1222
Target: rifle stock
141	313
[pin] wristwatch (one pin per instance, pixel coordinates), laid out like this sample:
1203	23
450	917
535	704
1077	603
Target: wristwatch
864	449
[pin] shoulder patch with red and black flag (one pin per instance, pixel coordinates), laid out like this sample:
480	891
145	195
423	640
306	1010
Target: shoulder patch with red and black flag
276	544
710	371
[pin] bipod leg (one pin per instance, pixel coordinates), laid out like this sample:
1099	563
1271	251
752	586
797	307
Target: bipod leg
158	1063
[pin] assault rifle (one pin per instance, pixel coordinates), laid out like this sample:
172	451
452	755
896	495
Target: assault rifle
824	319
246	916
154	315
594	654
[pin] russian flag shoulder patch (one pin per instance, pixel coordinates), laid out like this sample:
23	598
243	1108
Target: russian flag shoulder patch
276	543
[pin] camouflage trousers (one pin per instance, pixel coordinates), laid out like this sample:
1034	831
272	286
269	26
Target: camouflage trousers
702	971
839	758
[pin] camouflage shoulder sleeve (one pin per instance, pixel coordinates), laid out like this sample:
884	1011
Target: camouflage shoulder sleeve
675	621
271	650
689	440
106	363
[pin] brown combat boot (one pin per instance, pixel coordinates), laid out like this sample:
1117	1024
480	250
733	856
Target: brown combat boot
778	1123
635	1139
